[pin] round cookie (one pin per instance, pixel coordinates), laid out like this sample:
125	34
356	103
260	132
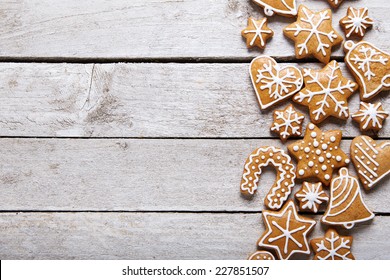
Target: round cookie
261	256
313	34
285	177
318	154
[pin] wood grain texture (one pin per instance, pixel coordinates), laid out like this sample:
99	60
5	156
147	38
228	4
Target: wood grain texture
156	236
153	28
142	100
137	175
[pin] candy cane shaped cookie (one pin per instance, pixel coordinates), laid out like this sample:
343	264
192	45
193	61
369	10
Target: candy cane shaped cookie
285	177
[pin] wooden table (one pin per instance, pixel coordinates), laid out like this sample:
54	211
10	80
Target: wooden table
125	126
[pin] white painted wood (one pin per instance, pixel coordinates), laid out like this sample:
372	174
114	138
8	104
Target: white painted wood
141	100
135	175
153	28
156	236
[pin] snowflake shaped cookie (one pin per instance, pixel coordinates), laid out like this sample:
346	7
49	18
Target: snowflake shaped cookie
286	231
356	22
281	7
287	122
370	66
326	93
310	196
370	116
313	34
332	247
272	82
318	154
257	33
335	3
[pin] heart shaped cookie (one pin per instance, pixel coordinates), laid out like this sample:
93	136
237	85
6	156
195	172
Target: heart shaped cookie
286	8
370	66
371	160
272	82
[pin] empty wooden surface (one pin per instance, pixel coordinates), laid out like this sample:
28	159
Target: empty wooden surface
125	125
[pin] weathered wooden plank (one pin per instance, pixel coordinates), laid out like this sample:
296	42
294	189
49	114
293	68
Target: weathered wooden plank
140	100
134	175
152	29
156	236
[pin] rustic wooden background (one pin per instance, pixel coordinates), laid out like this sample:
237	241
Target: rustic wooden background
125	126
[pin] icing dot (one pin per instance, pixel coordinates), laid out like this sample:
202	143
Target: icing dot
278	157
316	171
316	144
253	167
318	152
311	126
288	176
286	184
347	160
324	167
313	134
307	156
356	151
257	161
374	156
275	200
327	177
371	176
301	172
300	157
332	165
365	182
365	171
250	185
296	148
362	157
368	163
328	155
271	154
283	190
332	139
311	164
324	147
250	178
307	150
262	157
283	161
278	195
375	169
321	159
338	158
367	149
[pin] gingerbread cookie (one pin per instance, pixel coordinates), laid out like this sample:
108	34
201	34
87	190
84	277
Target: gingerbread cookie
286	231
371	160
326	93
356	22
370	116
272	82
257	33
310	196
335	3
261	256
370	66
285	178
287	122
332	246
313	34
346	206
318	154
286	8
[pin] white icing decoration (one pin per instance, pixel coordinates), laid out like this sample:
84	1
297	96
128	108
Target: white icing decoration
311	126
357	23
312	195
258	31
270	10
278	87
371	115
282	170
326	92
286	232
293	121
301	172
349	193
313	31
364	64
332	139
333	251
296	148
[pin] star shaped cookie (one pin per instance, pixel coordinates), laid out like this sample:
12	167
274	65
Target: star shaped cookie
326	92
356	22
318	154
287	123
286	231
257	33
313	34
370	116
310	196
332	247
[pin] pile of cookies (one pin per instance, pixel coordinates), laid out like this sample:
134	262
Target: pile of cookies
318	155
